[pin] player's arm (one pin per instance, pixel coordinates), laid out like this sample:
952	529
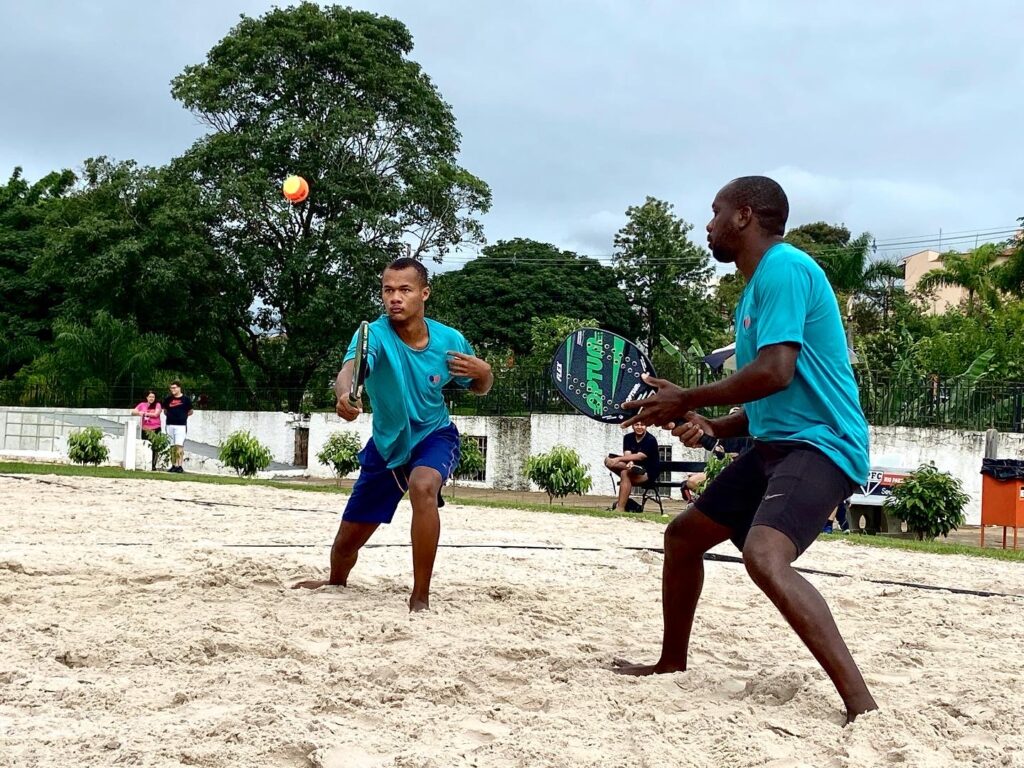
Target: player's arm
770	372
342	387
466	366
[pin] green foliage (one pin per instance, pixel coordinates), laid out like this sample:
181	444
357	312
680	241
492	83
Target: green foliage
663	275
328	93
713	468
107	352
546	333
558	472
471	458
528	281
929	501
341	453
86	446
244	453
160	445
27	300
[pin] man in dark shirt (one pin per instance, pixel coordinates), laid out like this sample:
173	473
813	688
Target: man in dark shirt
177	409
638	463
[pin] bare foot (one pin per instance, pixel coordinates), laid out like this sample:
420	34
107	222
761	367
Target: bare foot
314	584
416	605
643	670
852	714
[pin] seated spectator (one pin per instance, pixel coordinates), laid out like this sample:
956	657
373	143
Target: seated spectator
638	463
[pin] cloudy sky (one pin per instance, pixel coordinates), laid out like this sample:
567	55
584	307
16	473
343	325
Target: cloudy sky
901	118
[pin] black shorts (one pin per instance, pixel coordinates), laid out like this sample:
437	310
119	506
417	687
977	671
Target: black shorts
789	486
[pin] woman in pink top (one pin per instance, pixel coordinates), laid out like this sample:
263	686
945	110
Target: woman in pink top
149	409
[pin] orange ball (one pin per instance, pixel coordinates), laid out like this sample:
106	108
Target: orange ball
295	189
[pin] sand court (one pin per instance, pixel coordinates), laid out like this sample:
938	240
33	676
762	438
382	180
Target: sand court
151	623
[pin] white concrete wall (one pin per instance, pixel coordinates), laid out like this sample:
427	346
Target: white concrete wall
41	434
275	430
509	441
957	452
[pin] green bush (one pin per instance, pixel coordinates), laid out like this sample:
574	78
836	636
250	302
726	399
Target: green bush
930	502
558	472
471	458
340	453
244	454
160	445
86	446
712	469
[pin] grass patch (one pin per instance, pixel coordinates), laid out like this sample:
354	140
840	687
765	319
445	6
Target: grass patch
117	473
932	547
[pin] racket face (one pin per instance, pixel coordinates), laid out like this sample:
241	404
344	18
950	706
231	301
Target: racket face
597	371
360	362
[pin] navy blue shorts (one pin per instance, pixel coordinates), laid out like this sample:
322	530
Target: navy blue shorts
378	489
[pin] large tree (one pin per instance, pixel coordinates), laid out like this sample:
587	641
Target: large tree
495	297
329	94
665	276
27	298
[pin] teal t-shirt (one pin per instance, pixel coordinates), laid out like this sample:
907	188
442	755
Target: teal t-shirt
404	385
789	299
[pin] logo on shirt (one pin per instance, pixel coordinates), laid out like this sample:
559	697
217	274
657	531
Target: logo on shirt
746	322
434	378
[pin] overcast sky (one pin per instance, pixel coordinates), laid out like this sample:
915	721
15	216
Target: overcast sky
897	118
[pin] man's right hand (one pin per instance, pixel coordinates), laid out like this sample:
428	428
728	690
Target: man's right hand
693	429
346	411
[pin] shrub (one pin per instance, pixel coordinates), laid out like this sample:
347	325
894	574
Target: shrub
86	446
471	458
930	502
558	472
712	469
160	445
340	453
244	454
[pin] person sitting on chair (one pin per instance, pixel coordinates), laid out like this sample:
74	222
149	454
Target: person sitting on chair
638	463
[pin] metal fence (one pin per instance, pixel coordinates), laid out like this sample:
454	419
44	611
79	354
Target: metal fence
950	404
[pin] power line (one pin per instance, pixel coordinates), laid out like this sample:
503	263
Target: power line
894	246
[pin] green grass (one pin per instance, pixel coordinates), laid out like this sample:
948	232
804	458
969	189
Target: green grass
932	547
74	470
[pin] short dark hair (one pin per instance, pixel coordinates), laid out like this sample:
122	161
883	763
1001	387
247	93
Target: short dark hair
407	262
175	383
766	199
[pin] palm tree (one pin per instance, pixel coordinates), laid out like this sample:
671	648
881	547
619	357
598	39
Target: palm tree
975	272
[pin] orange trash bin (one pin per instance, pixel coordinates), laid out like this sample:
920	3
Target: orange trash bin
1002	500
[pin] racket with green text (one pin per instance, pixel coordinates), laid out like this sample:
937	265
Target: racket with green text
597	371
360	364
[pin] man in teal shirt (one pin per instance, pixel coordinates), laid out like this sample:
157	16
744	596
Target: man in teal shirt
810	437
414	446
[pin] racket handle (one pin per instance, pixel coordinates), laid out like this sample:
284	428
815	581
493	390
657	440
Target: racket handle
708	442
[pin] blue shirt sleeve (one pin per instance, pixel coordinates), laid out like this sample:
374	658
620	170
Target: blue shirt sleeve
782	299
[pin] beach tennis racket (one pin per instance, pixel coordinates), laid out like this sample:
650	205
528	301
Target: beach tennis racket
597	371
360	364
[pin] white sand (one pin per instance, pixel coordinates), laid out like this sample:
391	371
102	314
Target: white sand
185	651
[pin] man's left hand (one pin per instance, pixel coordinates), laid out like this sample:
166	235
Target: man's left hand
665	407
467	366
